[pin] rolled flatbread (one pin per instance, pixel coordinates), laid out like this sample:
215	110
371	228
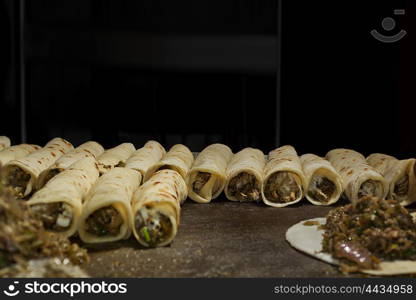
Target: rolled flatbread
16	152
323	183
115	157
156	208
146	157
399	174
20	175
4	142
284	181
106	213
179	158
206	179
245	175
59	203
88	149
358	177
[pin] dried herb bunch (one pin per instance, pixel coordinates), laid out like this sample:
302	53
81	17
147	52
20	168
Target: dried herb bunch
22	236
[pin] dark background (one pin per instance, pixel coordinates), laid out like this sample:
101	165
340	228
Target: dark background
245	73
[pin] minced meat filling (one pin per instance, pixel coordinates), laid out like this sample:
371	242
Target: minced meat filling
17	179
282	187
244	187
152	226
55	216
52	173
368	231
321	188
402	186
200	180
104	221
370	188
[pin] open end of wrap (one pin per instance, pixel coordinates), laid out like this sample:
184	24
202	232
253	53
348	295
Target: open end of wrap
121	164
48	176
167	167
283	187
17	180
321	188
371	187
205	185
154	227
244	187
56	216
414	169
163	167
401	188
105	221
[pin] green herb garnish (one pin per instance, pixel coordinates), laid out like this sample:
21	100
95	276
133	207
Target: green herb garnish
145	233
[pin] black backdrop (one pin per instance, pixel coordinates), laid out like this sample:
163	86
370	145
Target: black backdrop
199	72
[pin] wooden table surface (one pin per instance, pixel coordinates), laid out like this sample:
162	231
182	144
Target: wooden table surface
219	239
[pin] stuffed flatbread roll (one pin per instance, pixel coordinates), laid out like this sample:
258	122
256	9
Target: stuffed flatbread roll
20	175
179	158
284	180
245	175
88	149
16	152
146	157
156	208
115	157
106	213
399	174
59	203
4	142
323	183
206	179
359	179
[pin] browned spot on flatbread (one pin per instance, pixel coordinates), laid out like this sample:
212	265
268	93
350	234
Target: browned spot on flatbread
167	194
350	172
53	154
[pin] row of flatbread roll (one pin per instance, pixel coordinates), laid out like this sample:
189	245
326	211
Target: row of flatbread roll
21	173
285	178
105	204
379	175
282	179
